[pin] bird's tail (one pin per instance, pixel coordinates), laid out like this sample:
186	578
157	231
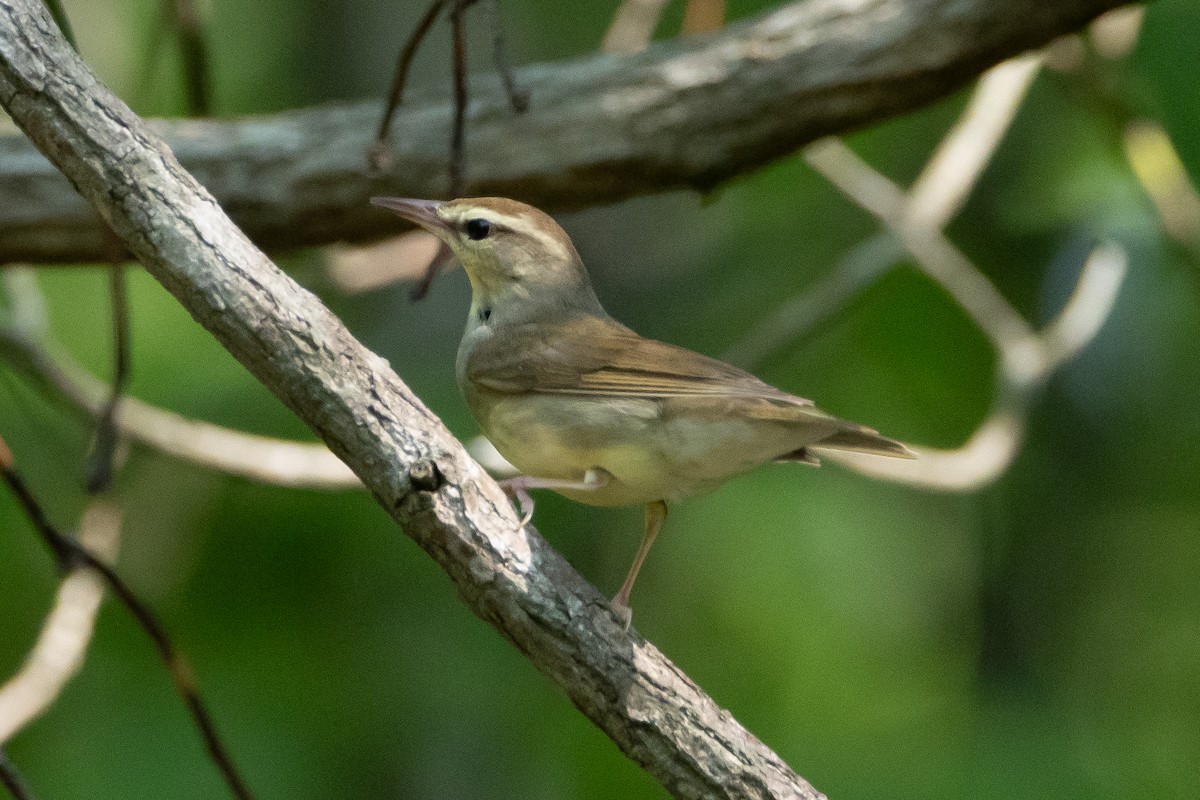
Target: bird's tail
859	439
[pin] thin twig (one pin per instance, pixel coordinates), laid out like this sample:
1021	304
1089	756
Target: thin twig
518	98
942	188
632	26
194	54
62	645
702	16
377	156
458	134
70	554
100	463
791	322
1025	357
935	254
11	779
995	443
278	462
914	220
457	139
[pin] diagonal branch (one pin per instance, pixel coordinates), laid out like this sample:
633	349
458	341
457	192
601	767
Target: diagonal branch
62	645
686	113
507	574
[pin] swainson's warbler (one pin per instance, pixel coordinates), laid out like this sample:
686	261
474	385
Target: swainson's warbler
581	404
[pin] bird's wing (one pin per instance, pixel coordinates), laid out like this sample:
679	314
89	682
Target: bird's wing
592	356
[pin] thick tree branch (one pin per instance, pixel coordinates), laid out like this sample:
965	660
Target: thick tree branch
686	113
508	575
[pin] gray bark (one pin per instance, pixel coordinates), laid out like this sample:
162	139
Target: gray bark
687	113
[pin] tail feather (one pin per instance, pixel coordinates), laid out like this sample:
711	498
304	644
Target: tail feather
858	439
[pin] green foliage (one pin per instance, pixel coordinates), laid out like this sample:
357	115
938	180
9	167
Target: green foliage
1165	67
1038	638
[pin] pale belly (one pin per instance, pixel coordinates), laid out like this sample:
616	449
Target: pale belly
649	458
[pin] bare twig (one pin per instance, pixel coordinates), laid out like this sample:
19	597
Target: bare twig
702	16
194	52
1025	357
858	268
913	221
62	645
100	462
10	778
518	98
942	188
632	26
378	156
260	458
1163	176
458	36
995	443
71	555
937	195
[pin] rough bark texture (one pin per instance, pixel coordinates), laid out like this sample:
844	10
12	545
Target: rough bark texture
293	344
686	113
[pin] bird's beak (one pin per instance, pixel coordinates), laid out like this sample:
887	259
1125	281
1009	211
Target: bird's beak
422	212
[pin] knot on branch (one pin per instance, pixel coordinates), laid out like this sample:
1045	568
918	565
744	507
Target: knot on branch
426	476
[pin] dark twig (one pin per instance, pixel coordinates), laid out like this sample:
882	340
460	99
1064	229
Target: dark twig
377	156
457	139
100	465
194	53
440	259
70	554
12	780
518	98
459	134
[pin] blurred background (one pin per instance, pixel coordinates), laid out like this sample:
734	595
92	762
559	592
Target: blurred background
1035	637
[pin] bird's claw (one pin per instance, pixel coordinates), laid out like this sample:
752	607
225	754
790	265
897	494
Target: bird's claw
622	611
515	488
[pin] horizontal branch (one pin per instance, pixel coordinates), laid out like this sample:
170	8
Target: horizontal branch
419	473
686	113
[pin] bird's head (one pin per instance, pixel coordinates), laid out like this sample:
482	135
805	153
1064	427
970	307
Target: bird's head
520	262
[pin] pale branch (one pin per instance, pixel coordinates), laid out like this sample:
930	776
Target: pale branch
507	574
632	26
26	349
1025	358
937	195
914	220
687	113
277	462
67	632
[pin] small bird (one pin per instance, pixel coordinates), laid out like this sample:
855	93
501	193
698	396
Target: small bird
584	406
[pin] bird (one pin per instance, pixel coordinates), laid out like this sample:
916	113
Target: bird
581	404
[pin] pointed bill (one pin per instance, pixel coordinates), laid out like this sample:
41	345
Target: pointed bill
422	212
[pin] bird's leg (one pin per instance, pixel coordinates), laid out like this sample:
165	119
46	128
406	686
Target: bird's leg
518	487
656	512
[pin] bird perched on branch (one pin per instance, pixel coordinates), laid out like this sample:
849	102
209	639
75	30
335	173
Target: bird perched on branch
581	404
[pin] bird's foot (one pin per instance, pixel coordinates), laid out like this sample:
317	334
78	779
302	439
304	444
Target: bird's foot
622	611
518	489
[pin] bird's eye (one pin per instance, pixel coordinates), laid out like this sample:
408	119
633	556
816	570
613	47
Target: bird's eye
478	229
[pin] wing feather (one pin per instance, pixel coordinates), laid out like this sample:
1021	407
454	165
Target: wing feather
592	356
